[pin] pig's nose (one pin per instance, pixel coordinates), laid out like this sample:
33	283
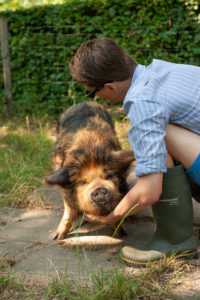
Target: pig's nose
101	195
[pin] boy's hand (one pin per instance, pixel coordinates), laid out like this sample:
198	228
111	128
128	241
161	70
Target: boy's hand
145	193
97	219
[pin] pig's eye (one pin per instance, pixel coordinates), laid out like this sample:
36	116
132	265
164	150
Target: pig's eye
83	182
109	176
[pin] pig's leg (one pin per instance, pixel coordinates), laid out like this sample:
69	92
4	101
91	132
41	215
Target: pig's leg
65	223
121	231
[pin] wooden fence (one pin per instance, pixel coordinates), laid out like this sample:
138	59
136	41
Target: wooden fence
6	62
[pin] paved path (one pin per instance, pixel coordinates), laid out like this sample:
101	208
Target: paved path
26	235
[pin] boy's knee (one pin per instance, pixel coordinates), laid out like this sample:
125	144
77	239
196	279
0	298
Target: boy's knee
182	144
170	161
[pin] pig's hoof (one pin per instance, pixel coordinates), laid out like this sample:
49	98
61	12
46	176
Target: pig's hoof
55	236
121	232
59	236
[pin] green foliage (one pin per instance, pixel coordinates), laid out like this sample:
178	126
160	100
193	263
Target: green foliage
43	40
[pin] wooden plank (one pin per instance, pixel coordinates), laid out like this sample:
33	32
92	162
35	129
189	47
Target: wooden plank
6	62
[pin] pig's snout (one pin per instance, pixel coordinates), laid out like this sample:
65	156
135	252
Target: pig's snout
101	196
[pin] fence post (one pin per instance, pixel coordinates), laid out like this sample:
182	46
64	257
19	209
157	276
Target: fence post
6	62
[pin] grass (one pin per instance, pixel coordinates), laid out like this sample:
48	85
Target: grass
153	282
24	159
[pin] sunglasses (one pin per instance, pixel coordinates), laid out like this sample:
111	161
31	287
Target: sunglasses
91	94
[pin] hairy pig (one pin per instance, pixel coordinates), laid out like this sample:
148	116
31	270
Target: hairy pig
88	164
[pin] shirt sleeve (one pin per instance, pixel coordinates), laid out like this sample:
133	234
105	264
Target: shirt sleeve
148	120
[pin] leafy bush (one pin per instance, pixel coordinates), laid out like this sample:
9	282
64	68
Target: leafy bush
43	40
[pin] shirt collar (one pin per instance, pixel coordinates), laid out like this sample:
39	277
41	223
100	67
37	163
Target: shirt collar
137	73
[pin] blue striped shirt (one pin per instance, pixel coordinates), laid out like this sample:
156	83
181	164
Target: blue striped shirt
159	94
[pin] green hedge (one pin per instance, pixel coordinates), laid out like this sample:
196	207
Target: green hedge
43	40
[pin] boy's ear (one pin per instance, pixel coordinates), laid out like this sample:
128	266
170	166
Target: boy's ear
59	177
122	159
110	85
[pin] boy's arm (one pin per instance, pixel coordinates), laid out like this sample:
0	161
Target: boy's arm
145	193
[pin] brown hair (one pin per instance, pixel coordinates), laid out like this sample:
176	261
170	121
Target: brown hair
100	61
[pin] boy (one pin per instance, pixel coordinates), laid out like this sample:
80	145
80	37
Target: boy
162	102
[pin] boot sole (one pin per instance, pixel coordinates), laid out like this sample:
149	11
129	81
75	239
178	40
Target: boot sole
187	255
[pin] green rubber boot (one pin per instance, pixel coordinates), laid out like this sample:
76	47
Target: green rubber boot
173	215
195	189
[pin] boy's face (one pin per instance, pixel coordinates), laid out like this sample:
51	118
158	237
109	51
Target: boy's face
110	92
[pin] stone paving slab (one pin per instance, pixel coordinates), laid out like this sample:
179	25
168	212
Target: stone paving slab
27	235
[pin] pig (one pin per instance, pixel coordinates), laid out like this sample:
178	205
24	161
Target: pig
88	165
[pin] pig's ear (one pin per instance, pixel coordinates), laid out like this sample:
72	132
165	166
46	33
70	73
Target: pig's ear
122	159
59	177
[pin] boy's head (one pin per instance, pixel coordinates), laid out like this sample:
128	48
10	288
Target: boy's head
101	63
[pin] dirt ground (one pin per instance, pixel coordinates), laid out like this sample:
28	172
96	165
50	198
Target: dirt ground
26	236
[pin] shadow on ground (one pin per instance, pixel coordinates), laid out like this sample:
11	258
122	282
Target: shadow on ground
26	235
